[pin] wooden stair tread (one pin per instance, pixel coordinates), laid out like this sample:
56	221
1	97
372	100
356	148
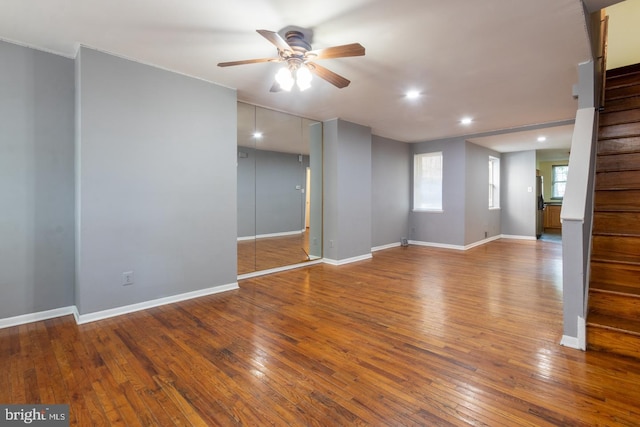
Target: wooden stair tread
624	130
623	71
629	291
611	234
621	104
608	118
618	210
622	92
610	261
615	323
618	162
613	146
624	80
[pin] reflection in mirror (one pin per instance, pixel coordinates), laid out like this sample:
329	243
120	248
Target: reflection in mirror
285	179
246	167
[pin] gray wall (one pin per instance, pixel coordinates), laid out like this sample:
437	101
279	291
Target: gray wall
315	214
347	190
156	173
390	170
445	227
518	213
479	219
246	192
36	181
268	201
279	205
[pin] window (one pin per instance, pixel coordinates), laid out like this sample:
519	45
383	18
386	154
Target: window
427	182
494	183
558	181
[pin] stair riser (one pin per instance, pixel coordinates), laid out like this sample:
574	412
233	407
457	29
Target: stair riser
617	200
622	81
613	342
619	145
618	162
623	306
622	104
629	180
619	117
617	223
622	92
615	274
619	131
623	71
615	248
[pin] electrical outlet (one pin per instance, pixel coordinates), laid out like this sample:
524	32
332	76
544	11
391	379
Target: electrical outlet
330	243
127	278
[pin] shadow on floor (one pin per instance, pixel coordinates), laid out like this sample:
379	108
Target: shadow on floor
552	235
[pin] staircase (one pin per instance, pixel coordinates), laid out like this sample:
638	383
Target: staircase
613	320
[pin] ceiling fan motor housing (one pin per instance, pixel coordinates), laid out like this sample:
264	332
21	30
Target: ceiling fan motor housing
296	40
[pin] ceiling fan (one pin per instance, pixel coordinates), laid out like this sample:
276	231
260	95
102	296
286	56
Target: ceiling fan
299	59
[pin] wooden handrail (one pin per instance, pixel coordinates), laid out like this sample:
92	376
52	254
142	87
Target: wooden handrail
604	31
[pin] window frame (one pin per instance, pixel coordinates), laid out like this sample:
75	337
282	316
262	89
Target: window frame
494	183
417	174
554	195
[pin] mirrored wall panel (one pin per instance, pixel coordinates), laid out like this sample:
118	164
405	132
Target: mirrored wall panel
279	189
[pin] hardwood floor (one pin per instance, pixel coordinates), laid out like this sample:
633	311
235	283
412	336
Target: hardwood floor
272	252
415	336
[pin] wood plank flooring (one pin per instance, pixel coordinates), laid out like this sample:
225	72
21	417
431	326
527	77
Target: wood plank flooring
272	252
415	336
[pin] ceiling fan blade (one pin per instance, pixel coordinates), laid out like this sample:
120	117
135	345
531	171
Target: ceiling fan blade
276	39
353	49
247	61
328	75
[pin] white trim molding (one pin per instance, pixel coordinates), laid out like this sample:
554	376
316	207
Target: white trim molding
436	245
113	312
481	242
278	269
383	247
510	236
347	260
36	317
571	342
266	236
471	245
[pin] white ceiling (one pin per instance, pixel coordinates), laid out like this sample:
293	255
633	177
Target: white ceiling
506	63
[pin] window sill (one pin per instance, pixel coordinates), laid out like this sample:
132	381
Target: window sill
428	210
495	209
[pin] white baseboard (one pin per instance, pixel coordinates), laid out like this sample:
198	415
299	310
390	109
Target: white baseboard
347	260
279	269
436	245
266	236
36	317
481	242
510	236
105	314
471	245
571	342
582	333
383	247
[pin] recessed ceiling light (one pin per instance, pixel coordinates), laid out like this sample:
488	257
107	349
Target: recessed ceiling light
542	138
466	120
412	94
257	135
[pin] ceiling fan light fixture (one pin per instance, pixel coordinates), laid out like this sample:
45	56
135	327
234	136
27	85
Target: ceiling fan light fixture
303	78
285	79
